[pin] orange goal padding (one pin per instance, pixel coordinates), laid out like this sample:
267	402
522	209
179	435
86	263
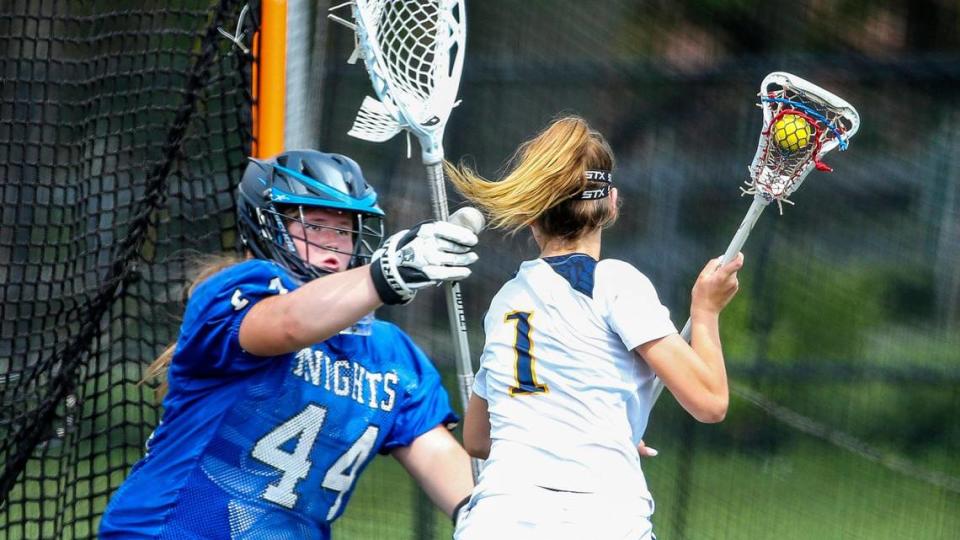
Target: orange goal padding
269	79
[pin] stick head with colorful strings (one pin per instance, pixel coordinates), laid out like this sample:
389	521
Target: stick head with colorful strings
801	123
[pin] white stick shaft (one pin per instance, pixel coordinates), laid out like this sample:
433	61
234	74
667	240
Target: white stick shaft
438	190
458	320
739	239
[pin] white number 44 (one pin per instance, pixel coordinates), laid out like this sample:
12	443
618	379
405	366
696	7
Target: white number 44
296	465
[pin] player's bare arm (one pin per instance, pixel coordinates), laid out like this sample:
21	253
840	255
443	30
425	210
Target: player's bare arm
312	313
695	373
439	464
476	428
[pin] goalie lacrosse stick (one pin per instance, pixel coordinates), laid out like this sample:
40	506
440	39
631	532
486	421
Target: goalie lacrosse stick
801	123
413	51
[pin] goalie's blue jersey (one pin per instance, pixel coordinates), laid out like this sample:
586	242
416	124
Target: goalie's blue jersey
270	448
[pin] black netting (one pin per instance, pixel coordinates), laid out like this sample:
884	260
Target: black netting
121	132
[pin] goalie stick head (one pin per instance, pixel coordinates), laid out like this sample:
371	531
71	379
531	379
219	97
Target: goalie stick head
275	193
801	123
413	51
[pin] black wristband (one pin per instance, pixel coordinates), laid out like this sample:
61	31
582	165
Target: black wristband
456	509
386	293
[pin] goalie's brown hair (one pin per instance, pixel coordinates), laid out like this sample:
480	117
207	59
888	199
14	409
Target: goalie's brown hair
207	265
544	176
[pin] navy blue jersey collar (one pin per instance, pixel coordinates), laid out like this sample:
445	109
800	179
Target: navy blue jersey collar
577	268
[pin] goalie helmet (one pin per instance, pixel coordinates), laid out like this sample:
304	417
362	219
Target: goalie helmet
276	191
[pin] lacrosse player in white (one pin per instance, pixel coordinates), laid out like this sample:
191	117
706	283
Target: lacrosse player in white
574	345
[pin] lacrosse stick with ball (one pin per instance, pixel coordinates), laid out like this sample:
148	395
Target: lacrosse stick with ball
413	51
801	123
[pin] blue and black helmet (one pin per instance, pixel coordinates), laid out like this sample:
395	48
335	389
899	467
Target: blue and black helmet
275	192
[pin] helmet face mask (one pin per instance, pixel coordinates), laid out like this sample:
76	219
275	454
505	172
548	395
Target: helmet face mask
279	195
340	234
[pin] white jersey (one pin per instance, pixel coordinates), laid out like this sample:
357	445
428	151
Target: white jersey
568	399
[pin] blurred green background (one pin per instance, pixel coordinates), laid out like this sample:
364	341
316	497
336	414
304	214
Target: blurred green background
842	346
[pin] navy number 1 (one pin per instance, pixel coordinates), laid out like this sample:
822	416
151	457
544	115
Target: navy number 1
525	367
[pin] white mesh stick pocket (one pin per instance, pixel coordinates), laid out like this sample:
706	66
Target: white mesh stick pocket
413	52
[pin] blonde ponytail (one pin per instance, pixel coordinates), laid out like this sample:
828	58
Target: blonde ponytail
547	172
207	265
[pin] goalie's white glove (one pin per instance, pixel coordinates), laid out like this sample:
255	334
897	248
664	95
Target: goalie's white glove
425	255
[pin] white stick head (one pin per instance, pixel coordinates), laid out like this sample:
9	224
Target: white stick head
413	51
801	123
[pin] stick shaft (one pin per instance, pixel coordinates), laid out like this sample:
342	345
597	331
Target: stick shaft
739	239
458	320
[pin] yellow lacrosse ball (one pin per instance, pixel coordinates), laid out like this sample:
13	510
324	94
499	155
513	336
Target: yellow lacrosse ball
791	133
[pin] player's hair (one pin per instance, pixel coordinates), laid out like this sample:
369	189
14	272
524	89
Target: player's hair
544	179
207	265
